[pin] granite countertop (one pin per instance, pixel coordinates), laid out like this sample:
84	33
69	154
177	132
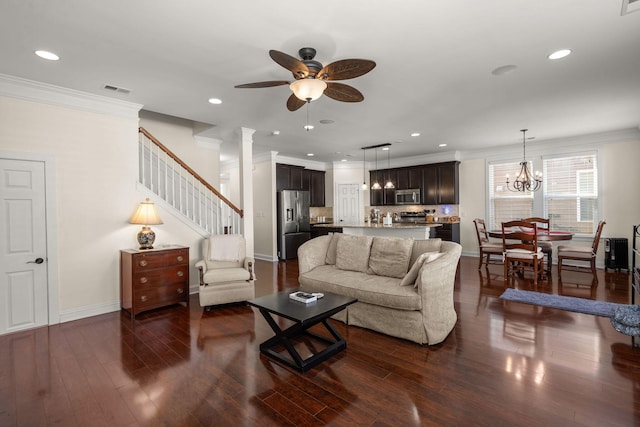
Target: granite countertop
394	225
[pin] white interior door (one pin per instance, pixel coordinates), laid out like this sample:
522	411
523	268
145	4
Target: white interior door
23	271
349	211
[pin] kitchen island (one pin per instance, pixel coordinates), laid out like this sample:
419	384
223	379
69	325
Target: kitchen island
417	231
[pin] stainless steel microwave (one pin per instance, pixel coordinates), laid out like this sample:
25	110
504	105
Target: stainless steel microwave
408	197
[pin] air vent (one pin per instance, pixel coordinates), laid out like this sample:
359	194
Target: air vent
117	89
629	6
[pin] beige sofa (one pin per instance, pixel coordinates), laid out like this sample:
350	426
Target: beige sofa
404	287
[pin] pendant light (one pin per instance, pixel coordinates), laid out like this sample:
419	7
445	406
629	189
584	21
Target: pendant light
389	185
525	181
364	168
376	185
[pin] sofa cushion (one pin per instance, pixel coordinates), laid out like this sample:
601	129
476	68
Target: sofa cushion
412	274
367	288
353	252
331	251
219	275
390	256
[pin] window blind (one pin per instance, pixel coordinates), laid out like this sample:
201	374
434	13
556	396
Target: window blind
571	193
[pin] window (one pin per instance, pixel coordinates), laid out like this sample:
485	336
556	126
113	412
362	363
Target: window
504	204
571	193
568	197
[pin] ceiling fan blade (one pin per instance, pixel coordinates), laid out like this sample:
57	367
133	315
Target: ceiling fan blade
343	92
263	84
297	67
346	69
294	103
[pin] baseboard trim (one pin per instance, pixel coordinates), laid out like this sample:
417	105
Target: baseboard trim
88	311
264	257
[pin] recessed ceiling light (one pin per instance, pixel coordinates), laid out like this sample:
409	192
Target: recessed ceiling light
215	101
47	55
310	154
275	133
415	134
560	54
308	127
385	148
343	160
442	145
326	121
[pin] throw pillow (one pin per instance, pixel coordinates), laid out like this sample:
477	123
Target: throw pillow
432	257
331	251
390	256
352	252
412	275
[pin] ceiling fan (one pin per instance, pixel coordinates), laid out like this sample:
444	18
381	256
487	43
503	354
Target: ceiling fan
312	79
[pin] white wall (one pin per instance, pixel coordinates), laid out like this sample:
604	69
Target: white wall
473	188
264	202
95	158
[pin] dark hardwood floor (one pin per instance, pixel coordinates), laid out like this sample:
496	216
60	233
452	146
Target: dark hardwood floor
505	364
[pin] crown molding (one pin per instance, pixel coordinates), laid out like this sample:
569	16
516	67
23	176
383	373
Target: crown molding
311	164
44	93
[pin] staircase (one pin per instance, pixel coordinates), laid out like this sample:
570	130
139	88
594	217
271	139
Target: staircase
182	190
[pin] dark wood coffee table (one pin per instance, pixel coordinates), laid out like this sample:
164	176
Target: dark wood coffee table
305	316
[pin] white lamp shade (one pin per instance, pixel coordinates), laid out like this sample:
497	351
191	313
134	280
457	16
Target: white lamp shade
308	89
147	214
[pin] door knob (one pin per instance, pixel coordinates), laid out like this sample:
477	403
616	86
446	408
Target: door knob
36	261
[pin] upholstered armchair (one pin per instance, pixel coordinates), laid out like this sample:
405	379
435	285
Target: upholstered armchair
226	273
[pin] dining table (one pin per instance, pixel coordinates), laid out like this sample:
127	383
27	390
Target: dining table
548	236
543	235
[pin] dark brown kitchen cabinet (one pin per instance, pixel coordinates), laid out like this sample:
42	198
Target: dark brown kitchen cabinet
448	183
409	178
295	178
440	184
449	232
376	196
317	189
290	177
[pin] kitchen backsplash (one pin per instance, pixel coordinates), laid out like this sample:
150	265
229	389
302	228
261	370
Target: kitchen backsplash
440	210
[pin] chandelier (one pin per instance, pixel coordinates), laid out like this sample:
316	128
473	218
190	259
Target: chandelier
525	181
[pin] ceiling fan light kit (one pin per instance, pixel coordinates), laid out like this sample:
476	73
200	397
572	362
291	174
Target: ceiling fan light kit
308	89
312	79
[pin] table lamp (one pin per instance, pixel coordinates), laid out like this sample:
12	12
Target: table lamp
146	215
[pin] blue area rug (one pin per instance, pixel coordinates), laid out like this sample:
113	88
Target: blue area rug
579	305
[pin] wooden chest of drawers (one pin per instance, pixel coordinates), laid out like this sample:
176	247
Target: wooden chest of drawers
153	278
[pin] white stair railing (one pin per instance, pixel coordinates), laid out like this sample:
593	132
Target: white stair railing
165	175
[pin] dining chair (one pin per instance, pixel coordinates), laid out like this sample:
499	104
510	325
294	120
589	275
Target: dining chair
547	247
520	247
488	249
581	253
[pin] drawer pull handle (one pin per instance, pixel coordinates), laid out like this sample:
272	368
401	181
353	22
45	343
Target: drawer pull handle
143	298
143	280
143	263
180	273
180	258
180	291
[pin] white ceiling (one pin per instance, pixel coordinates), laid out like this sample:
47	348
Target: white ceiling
433	76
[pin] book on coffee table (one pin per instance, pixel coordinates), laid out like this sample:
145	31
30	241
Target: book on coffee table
304	297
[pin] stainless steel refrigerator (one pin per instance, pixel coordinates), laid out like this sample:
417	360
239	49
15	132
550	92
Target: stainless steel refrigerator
293	222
